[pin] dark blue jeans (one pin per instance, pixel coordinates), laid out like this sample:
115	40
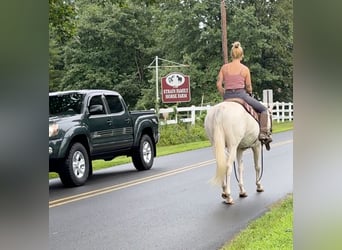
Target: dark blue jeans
241	93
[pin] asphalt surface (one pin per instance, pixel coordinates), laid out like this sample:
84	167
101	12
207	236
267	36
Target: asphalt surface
171	206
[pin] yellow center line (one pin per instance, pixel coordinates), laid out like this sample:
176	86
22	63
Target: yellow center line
116	187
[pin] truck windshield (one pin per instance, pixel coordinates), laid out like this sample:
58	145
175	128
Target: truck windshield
65	104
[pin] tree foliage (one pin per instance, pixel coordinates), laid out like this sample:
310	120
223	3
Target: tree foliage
110	44
62	19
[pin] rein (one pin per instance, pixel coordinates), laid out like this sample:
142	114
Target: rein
262	166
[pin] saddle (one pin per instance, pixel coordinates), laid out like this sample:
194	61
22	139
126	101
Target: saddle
247	107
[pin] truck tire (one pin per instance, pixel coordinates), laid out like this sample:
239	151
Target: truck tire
75	171
143	155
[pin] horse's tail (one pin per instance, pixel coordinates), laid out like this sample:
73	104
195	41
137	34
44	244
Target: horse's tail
219	147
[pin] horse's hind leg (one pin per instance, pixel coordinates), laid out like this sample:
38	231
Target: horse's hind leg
224	182
243	192
224	187
226	194
256	153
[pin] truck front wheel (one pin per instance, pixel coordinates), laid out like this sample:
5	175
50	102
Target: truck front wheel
75	171
143	156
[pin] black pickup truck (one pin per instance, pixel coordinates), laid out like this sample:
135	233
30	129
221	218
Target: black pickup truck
85	125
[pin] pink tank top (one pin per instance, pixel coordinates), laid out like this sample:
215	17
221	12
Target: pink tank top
233	81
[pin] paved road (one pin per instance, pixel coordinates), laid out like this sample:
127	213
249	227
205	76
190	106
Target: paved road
171	206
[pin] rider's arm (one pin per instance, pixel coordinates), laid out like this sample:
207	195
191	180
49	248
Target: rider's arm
248	82
219	83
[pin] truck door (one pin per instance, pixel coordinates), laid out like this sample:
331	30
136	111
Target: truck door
100	125
122	123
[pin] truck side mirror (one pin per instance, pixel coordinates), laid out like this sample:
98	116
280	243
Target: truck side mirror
95	109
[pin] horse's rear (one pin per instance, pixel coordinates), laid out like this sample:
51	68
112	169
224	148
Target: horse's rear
230	127
232	121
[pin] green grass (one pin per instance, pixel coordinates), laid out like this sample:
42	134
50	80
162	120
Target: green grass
282	126
166	150
274	230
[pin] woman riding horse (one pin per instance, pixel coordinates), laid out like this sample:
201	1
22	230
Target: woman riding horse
236	78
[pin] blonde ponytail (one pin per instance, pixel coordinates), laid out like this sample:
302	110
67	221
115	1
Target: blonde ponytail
236	45
236	51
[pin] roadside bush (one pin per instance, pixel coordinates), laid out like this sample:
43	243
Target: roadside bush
174	134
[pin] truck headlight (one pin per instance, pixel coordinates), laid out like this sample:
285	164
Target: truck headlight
53	129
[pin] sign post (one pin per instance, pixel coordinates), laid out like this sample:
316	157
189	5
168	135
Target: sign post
157	94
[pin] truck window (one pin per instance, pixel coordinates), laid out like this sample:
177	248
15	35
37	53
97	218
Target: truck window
65	104
97	100
114	104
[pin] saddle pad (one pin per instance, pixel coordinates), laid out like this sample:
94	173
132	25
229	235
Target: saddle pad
248	107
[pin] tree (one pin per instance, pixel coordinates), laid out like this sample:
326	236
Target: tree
62	28
189	33
265	30
113	42
62	19
111	51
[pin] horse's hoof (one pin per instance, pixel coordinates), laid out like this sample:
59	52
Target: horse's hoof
243	195
259	190
229	202
224	196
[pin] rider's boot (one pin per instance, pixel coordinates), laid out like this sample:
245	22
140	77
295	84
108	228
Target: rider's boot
265	129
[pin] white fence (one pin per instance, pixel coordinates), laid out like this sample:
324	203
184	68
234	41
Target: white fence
281	112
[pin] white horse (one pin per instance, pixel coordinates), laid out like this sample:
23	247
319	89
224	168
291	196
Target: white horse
232	130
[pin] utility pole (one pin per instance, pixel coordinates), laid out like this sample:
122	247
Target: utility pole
224	31
157	87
